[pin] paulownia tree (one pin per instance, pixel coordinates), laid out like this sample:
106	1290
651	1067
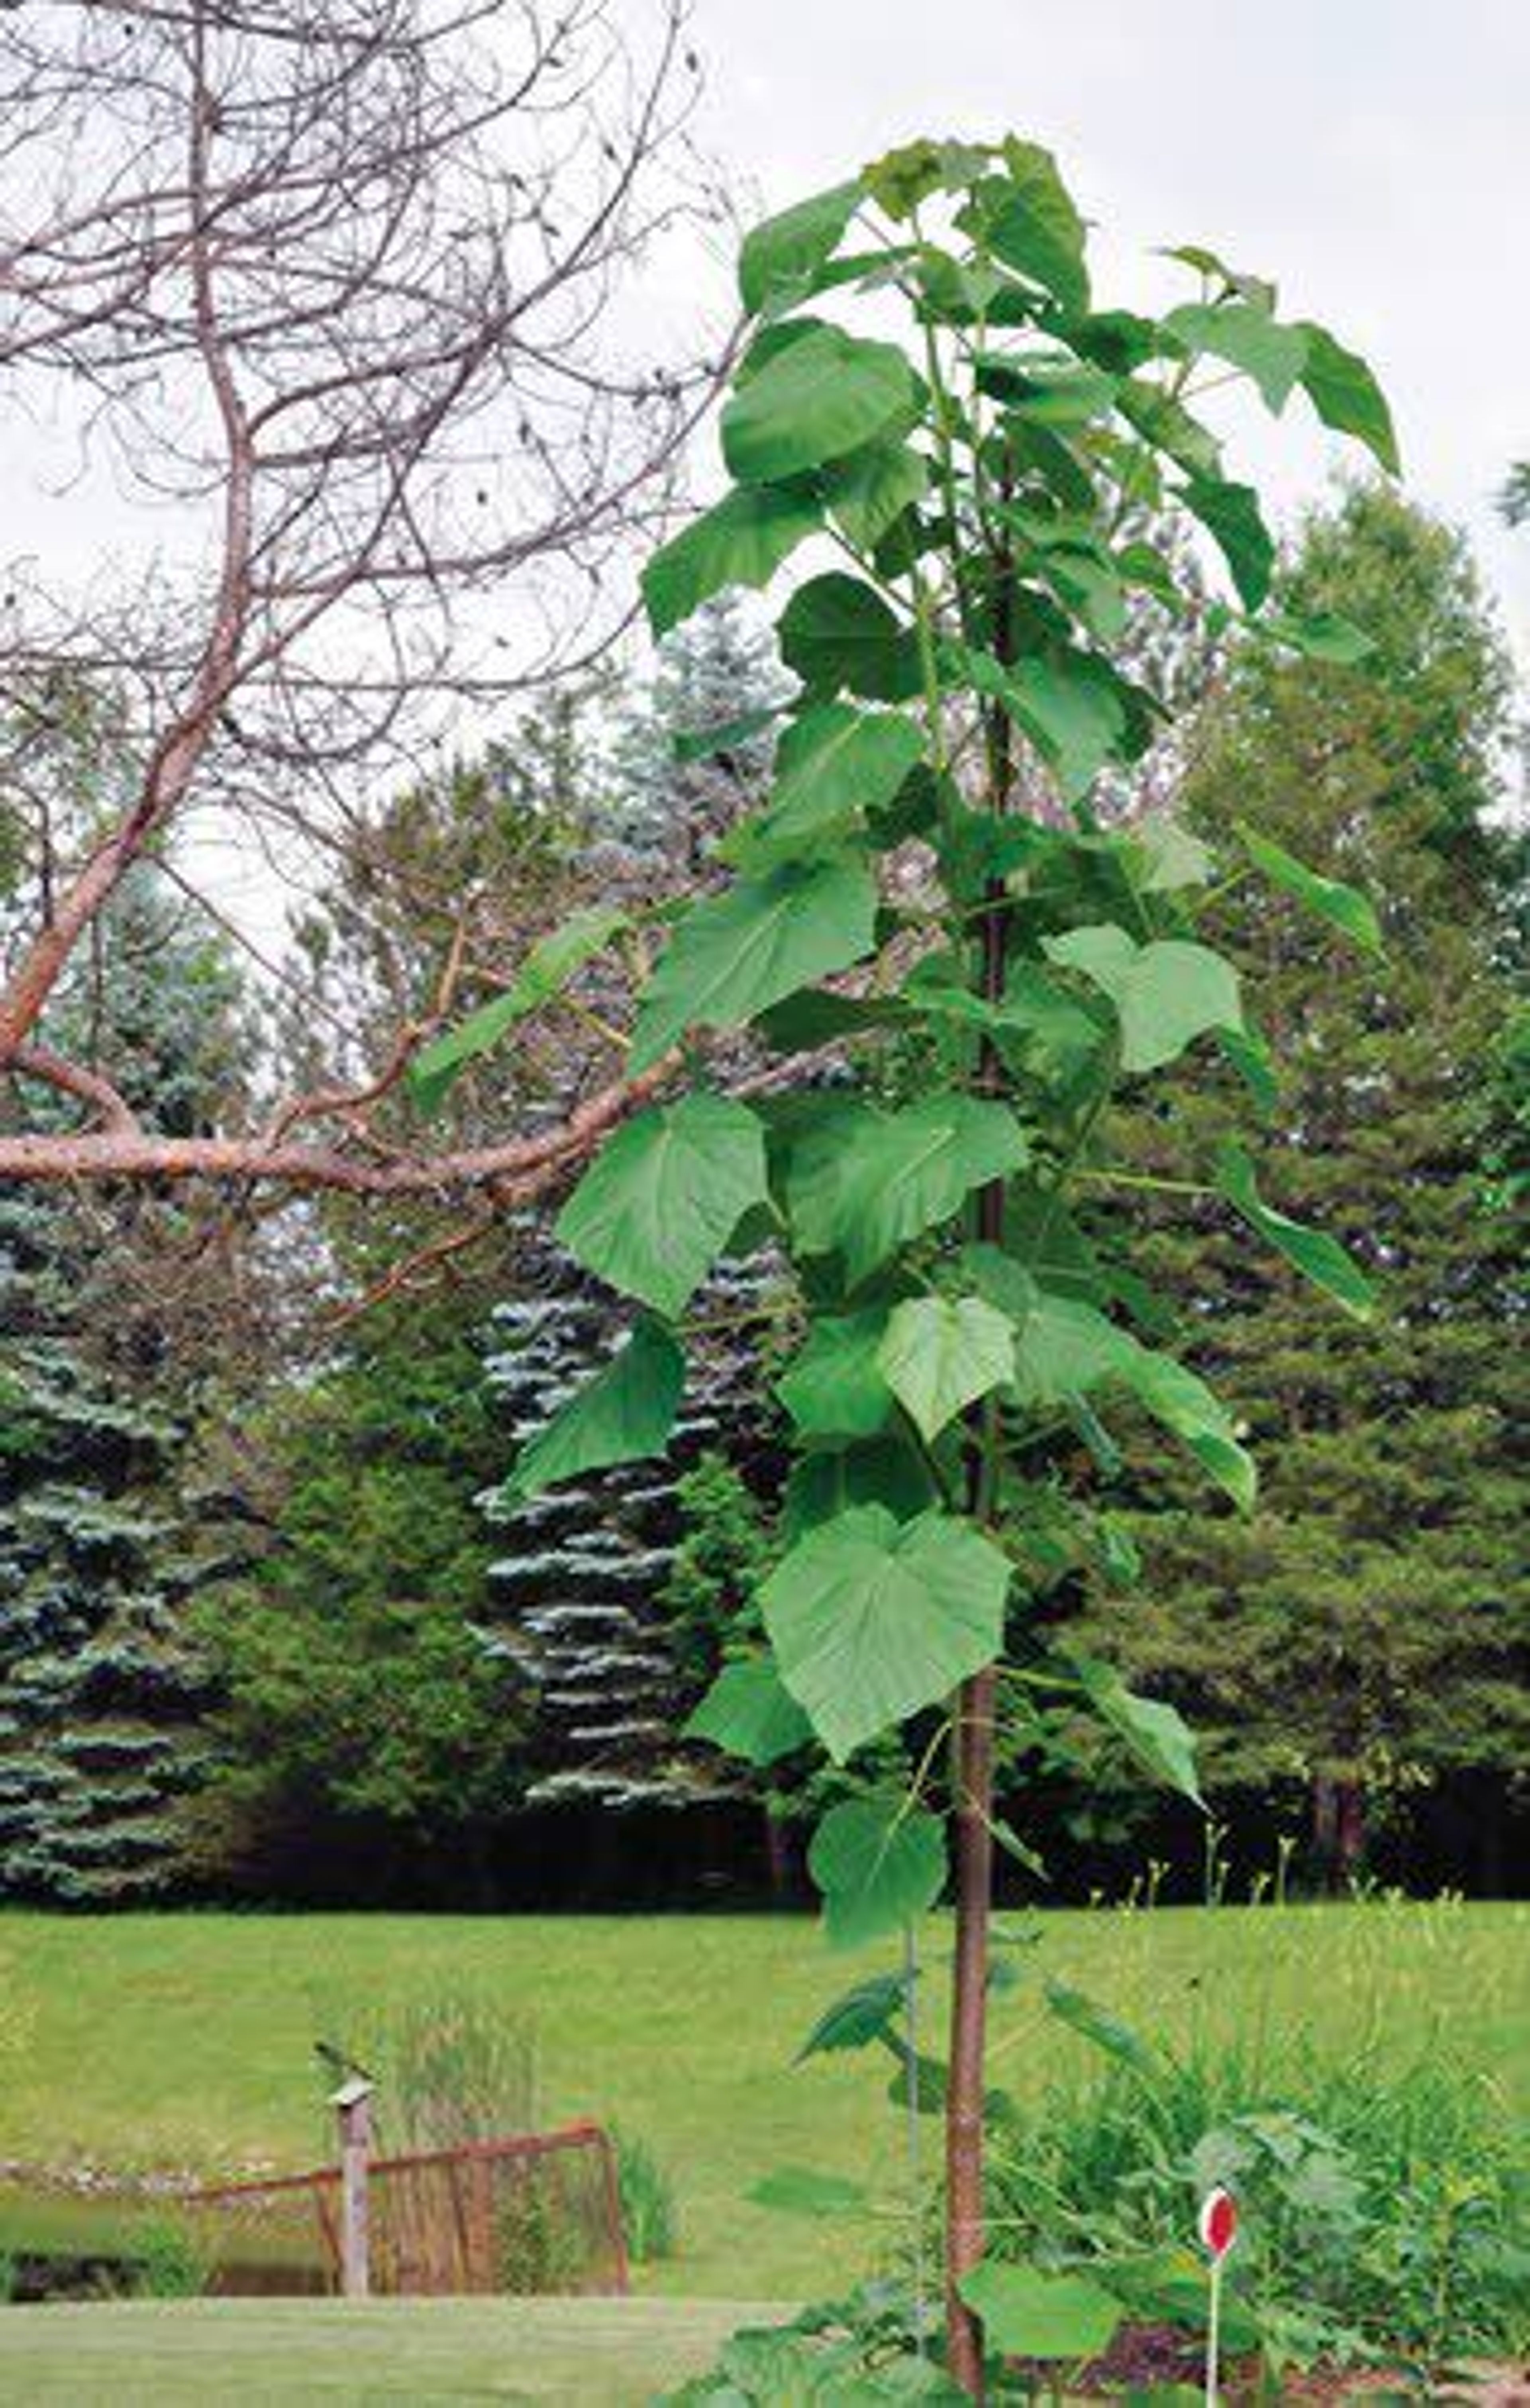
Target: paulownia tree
928	884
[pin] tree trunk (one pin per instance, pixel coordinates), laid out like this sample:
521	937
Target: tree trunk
964	2231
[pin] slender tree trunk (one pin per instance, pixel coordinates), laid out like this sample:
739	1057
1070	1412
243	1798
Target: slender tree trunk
973	1747
964	2226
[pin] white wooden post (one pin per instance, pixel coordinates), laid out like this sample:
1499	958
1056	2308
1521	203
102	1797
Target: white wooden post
352	2104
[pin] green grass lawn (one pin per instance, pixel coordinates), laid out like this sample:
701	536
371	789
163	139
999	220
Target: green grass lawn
594	2352
158	2041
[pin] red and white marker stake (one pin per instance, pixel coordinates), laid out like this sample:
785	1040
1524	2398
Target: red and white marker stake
1218	2226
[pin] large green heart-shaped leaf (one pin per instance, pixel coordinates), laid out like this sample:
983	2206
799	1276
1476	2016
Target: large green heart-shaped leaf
1345	395
743	540
1317	1256
1067	1348
1247	337
860	1187
660	1200
836	633
543	974
888	1471
941	1353
869	492
1344	907
735	953
877	1864
781	260
873	1619
836	1388
1166	993
1027	2313
1032	224
813	401
1157	1734
1231	513
833	766
749	1714
626	1410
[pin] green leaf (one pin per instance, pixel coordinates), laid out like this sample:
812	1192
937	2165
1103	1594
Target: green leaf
735	953
876	1865
837	632
1169	425
1245	1052
1345	906
1070	703
1317	1256
743	540
814	402
626	1410
873	1619
1345	395
1171	856
1065	1347
888	1471
1181	1400
1157	1734
862	1186
1107	2032
802	2190
1248	338
1027	2313
748	1714
941	1353
1166	993
860	2016
1071	707
1232	514
780	261
1033	225
664	1195
869	492
836	1388
833	763
1319	635
545	972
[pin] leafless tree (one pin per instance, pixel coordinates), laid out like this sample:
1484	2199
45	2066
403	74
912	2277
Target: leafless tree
338	291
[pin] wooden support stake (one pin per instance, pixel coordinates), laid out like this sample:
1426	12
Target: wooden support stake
353	2104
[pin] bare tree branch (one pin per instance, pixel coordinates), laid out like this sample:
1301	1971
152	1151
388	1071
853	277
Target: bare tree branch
346	283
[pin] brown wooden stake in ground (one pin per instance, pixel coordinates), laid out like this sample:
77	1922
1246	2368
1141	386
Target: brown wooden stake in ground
353	2102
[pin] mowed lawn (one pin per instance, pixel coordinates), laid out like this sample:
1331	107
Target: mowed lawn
581	2353
142	2041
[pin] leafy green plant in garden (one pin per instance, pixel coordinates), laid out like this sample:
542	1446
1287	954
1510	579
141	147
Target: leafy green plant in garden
930	869
1386	2198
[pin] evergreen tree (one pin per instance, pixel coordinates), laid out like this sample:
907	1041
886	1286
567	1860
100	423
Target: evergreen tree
719	672
100	1550
1366	1630
580	1574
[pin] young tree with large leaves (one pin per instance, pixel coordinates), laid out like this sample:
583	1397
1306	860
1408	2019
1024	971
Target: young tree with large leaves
928	868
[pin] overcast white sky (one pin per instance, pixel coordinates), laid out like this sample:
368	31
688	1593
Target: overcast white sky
1373	156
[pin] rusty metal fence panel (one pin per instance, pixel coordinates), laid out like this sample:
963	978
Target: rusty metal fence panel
538	2212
